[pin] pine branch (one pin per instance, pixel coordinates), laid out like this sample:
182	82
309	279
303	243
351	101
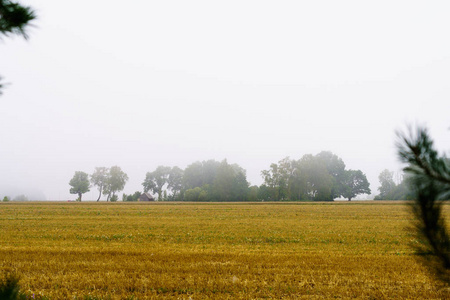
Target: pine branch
430	181
14	18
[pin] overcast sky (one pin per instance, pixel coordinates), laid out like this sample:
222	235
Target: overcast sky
140	84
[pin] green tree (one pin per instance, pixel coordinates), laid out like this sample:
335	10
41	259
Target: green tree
175	182
193	176
336	168
354	183
278	178
6	199
131	198
315	178
199	174
79	184
156	180
192	194
219	181
115	182
253	192
429	176
387	183
14	19
99	179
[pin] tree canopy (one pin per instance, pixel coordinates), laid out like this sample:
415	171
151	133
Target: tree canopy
320	177
389	190
99	179
115	182
79	184
354	183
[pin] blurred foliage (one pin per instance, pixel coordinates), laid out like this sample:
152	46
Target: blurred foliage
429	178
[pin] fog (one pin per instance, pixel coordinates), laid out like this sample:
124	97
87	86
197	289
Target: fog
148	83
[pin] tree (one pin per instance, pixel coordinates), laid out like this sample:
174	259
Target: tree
14	19
429	176
316	179
354	183
21	198
175	182
336	168
99	178
156	180
253	192
386	179
193	176
115	182
79	184
278	177
193	194
131	198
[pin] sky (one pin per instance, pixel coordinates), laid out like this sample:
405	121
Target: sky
140	84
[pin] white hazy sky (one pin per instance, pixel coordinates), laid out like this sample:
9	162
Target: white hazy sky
145	83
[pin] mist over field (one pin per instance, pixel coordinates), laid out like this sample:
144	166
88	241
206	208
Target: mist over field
100	84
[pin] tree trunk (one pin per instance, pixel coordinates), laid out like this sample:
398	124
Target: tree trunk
350	199
79	196
100	194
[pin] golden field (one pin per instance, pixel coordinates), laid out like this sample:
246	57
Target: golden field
214	251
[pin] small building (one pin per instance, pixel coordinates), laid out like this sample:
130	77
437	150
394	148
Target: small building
146	197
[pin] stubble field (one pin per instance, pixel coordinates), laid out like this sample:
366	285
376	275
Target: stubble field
226	251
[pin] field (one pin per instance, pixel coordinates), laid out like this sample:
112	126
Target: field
226	251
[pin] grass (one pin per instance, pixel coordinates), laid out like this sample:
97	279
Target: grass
226	250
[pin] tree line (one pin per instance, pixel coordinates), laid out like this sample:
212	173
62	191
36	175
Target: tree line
107	180
390	190
321	177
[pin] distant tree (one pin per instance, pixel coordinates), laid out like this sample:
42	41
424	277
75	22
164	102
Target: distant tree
156	180
193	176
316	179
175	182
131	198
266	193
391	191
116	182
277	179
336	168
14	19
21	198
253	192
193	194
79	184
354	183
6	199
387	183
229	183
313	177
429	176
216	181
99	179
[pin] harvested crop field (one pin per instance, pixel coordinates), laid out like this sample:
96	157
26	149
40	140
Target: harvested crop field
214	250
